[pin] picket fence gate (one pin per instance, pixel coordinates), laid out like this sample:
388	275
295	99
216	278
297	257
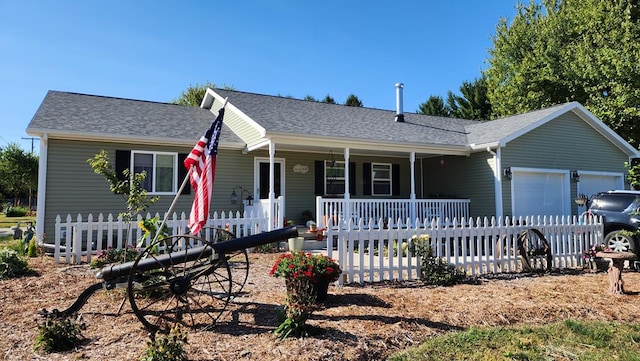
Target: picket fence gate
78	240
367	252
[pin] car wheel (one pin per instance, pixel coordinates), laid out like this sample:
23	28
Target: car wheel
619	242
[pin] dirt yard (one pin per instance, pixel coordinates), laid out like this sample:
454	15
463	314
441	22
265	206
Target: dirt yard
367	322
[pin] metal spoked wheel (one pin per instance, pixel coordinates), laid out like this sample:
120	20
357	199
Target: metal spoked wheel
238	260
179	280
535	251
619	241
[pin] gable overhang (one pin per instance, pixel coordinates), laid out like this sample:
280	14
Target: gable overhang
578	110
212	98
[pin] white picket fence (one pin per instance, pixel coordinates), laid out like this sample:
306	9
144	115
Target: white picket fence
368	253
78	240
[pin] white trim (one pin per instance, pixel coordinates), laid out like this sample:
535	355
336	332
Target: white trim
174	181
585	115
42	185
253	124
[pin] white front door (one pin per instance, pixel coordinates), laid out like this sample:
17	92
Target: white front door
542	192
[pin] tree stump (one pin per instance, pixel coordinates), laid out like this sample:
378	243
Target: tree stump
616	285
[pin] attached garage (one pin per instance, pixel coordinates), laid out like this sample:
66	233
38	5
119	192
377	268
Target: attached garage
544	192
593	182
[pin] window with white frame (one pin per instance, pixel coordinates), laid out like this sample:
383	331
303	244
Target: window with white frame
161	168
334	178
381	179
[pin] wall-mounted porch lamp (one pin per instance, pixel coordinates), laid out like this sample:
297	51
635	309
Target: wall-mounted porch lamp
575	176
242	190
507	173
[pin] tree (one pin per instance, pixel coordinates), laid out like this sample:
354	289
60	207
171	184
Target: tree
328	99
570	50
353	101
474	102
18	172
195	93
310	98
434	106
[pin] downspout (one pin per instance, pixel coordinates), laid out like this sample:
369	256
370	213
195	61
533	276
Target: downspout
42	187
497	176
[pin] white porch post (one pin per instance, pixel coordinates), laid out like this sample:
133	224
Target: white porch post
272	193
497	175
412	195
42	186
347	195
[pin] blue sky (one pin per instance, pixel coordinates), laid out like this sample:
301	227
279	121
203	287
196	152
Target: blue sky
153	50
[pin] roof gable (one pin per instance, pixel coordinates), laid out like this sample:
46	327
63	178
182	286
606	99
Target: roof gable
499	132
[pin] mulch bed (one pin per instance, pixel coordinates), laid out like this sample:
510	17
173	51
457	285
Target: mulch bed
358	322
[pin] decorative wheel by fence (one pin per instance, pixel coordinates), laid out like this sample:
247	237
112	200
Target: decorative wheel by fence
177	281
534	250
238	260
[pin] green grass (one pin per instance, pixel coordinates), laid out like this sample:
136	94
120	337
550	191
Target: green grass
8	222
568	340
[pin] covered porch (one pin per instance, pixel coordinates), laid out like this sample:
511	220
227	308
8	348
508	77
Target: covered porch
332	212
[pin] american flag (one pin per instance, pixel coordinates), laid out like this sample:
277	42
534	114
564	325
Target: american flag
202	165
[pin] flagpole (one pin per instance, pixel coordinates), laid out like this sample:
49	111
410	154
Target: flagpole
175	199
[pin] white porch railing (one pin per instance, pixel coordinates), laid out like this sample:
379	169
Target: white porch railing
77	240
334	210
276	214
369	253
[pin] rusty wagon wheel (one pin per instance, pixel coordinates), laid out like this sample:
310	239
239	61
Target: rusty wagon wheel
179	280
238	260
535	251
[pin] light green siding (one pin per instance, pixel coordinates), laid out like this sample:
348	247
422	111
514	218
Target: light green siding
566	143
462	177
72	187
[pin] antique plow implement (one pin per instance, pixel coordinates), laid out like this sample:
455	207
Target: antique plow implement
182	279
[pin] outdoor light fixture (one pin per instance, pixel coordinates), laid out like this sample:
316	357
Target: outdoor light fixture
242	190
581	200
575	176
507	173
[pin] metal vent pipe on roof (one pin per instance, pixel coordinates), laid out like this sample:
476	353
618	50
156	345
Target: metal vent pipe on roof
399	113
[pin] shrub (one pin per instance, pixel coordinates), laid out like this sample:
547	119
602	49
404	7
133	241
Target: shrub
16	211
58	334
167	347
32	249
434	270
12	264
115	255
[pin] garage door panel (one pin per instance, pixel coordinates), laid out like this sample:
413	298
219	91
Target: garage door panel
538	193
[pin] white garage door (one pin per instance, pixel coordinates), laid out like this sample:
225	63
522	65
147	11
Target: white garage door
539	192
592	183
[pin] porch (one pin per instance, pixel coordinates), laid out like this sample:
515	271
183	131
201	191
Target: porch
330	212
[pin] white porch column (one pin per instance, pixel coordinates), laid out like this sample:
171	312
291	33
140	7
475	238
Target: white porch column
497	176
272	193
412	195
347	195
42	186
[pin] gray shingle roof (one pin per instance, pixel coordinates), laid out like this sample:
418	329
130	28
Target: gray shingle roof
72	114
90	115
498	129
293	116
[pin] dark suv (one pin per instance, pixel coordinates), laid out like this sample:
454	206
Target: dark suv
620	210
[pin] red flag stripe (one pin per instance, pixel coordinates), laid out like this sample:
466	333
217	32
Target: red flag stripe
201	162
